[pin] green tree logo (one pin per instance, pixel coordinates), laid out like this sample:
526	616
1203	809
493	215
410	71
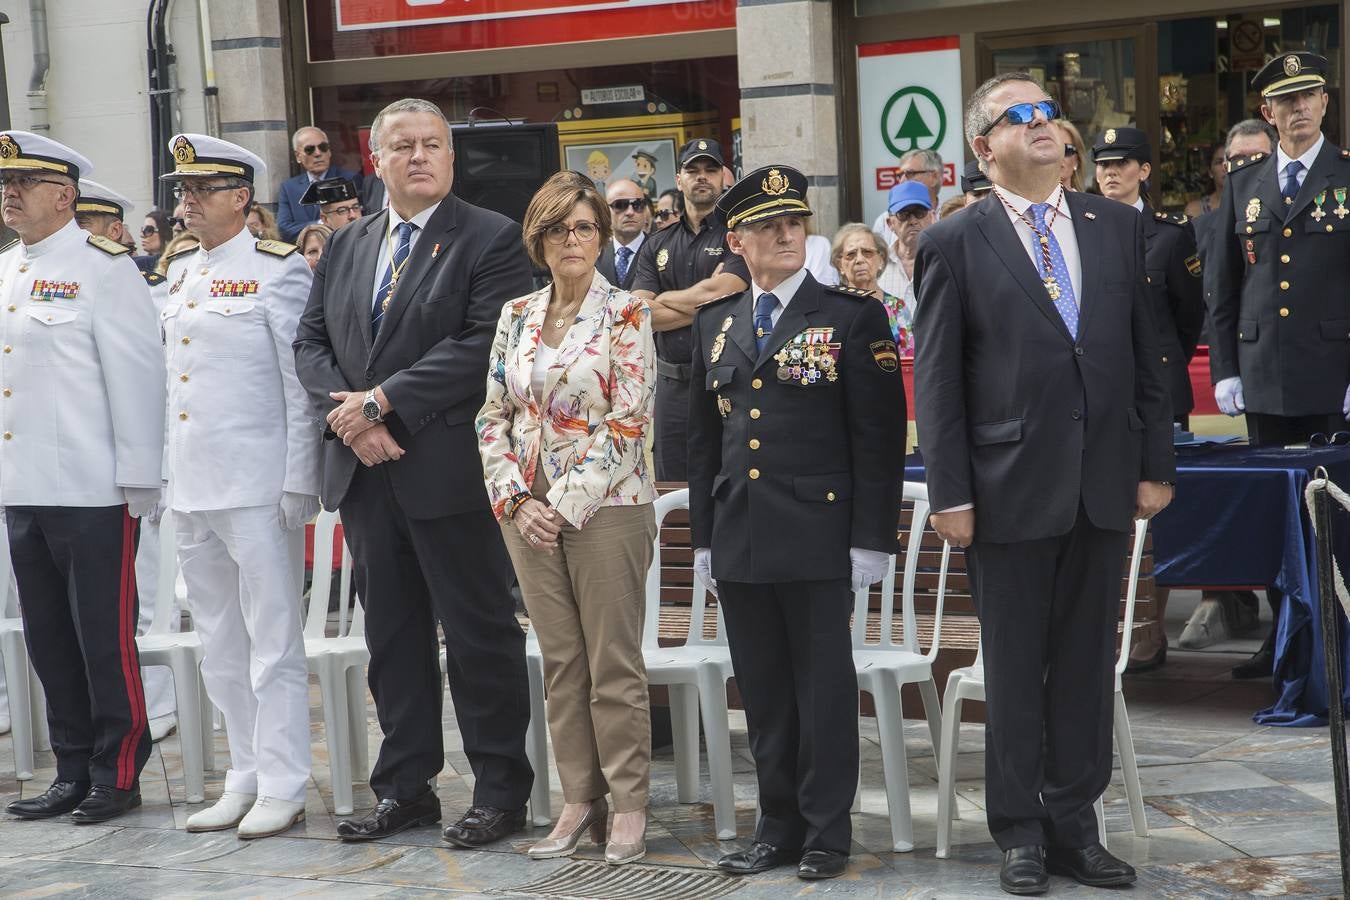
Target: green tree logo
915	130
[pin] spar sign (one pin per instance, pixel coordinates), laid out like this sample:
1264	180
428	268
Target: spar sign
909	97
357	14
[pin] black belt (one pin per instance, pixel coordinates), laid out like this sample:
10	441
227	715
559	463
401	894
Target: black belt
678	371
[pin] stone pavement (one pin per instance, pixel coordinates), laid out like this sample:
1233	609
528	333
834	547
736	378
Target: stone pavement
1233	809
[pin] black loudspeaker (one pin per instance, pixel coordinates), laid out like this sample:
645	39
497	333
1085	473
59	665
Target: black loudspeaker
499	167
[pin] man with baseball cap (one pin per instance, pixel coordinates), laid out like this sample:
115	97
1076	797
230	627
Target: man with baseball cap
243	480
909	212
81	438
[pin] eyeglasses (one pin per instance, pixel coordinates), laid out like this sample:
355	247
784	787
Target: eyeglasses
311	149
911	174
864	252
351	209
1025	114
149	230
177	222
182	191
635	205
664	214
27	182
585	232
911	214
1336	439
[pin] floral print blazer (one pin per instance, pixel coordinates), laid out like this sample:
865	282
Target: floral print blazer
589	430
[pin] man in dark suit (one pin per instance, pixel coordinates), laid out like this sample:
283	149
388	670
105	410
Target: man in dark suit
315	156
1274	277
1046	429
796	454
631	215
393	349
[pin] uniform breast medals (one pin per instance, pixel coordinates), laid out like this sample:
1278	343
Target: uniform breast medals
718	344
808	357
46	290
1251	252
724	405
1340	210
1253	209
177	285
1319	214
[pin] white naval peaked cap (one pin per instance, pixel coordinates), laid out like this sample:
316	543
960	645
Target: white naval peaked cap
98	198
33	152
201	155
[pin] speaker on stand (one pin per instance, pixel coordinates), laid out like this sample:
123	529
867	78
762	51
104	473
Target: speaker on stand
500	165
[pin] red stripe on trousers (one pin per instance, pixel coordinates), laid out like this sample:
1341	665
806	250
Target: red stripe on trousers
131	675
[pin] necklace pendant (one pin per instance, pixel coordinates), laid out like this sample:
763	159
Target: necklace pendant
1052	288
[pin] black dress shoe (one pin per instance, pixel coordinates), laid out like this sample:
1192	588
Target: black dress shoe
818	864
483	825
1023	871
761	857
57	800
1261	665
390	817
1145	664
105	802
1090	865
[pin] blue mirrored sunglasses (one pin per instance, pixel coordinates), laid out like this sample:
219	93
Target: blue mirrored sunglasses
1025	113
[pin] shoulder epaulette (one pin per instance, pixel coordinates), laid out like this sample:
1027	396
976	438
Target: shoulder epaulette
1243	162
9	245
1173	218
107	245
191	248
719	299
848	291
153	278
276	248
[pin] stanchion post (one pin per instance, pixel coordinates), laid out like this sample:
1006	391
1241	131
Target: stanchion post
1331	654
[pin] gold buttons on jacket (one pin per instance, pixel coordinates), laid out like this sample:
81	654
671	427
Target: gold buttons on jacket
182	417
1284	285
754	473
8	436
1288	232
183	377
1284	312
754	413
185	341
830	496
754	443
757	384
716	383
1249	229
8	392
1284	257
8	348
23	267
204	271
1164	359
12	307
1148	278
192	304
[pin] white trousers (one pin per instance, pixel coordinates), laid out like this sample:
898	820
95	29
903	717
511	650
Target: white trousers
158	680
243	575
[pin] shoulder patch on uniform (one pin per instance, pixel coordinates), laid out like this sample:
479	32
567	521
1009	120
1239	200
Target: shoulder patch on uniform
191	248
276	248
1193	265
883	352
153	278
1243	162
10	244
1172	218
847	291
107	245
719	299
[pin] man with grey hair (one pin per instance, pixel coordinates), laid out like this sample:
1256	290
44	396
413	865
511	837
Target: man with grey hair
393	349
923	166
314	154
1046	429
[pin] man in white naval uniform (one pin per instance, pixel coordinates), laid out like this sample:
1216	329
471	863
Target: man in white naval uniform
81	439
101	210
243	480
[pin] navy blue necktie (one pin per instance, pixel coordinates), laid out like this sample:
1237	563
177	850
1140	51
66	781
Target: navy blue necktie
402	247
764	308
1290	189
1057	281
622	258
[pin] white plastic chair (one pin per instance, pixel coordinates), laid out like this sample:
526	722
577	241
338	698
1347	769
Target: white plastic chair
696	674
885	667
27	704
968	684
182	652
340	663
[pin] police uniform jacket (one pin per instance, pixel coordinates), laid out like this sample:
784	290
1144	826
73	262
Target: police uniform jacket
1174	285
1275	284
82	405
241	428
789	467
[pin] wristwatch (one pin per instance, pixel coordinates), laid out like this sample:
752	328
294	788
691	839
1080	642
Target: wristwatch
370	408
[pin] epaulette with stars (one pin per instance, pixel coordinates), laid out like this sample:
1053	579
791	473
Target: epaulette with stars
191	248
848	291
153	278
1243	162
1171	218
719	299
107	245
276	248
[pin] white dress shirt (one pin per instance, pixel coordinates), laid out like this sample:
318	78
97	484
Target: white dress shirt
893	279
1283	159
1061	228
635	245
544	355
391	238
784	292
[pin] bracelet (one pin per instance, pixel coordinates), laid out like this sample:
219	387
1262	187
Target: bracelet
514	504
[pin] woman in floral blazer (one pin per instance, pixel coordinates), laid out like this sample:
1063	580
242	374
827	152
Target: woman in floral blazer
563	438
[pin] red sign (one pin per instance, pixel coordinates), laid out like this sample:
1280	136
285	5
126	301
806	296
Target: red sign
889	176
358	14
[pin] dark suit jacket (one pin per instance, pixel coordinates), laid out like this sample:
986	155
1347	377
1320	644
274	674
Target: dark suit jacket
606	266
431	353
372	195
1013	414
1173	267
1275	284
794	475
291	214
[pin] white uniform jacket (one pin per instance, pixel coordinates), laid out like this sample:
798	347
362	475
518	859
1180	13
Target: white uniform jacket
82	411
241	429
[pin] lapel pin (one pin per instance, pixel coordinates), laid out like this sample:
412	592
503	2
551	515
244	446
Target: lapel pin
435	251
1089	215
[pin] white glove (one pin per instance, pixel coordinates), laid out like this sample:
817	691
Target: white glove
143	502
1228	394
703	568
1345	405
297	510
869	567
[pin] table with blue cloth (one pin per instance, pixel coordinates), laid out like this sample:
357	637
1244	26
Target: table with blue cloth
1239	519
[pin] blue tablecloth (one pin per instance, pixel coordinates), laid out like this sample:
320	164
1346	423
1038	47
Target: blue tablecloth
1239	519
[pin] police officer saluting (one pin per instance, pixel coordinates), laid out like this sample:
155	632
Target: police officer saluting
796	454
1274	278
82	422
243	480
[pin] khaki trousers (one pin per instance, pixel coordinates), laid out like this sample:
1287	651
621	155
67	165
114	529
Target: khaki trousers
586	608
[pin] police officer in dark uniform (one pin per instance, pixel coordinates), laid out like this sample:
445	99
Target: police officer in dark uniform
338	200
1275	275
974	183
796	454
678	269
1123	161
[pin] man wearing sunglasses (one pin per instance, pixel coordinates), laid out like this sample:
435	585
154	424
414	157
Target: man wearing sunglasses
315	156
631	214
1046	429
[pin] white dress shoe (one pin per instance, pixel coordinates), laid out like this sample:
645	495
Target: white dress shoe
224	814
162	726
270	816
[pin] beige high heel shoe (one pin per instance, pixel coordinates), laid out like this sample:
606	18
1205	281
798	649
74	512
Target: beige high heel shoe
596	819
617	853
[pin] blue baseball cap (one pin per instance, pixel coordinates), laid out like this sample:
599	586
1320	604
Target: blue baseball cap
909	193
